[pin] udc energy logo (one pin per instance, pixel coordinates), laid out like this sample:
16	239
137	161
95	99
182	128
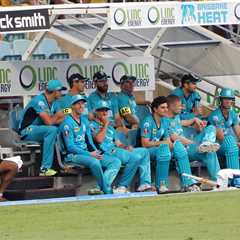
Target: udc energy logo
120	16
130	17
237	11
153	15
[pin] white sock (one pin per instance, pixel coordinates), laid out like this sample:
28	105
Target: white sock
1	195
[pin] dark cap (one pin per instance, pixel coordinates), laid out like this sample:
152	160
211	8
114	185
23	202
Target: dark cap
126	78
98	76
76	77
187	78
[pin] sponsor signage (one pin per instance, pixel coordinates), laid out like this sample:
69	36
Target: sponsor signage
30	77
174	14
24	20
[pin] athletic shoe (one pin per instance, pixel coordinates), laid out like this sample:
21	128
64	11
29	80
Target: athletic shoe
95	191
47	172
163	188
192	188
146	188
120	190
206	147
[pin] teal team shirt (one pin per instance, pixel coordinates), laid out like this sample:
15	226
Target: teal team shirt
150	130
175	126
110	98
64	104
76	134
193	100
30	114
217	119
107	144
127	104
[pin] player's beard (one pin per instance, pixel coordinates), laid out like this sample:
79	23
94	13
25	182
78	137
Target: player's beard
102	89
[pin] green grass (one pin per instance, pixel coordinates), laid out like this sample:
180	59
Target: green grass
207	216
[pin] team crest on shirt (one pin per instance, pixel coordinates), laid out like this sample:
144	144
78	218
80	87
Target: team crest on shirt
146	124
42	105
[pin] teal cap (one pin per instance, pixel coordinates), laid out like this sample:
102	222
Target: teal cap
101	105
227	93
77	98
55	85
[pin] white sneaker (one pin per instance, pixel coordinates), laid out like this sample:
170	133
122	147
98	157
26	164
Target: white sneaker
206	147
193	188
146	188
163	189
120	190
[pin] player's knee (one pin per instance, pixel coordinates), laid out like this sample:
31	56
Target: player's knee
52	130
95	164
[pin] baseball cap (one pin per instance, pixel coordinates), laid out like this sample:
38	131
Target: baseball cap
77	98
101	105
98	76
55	85
76	77
126	78
187	78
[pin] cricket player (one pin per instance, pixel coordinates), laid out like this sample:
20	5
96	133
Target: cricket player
100	80
132	158
38	120
154	137
189	97
8	169
77	84
228	131
127	103
75	131
202	147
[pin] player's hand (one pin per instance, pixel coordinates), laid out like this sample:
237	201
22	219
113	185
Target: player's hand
238	143
105	121
97	155
129	148
187	142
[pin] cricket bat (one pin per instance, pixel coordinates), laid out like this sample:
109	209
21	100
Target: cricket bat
202	180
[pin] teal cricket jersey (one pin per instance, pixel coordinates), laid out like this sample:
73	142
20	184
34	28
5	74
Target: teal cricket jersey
64	104
108	143
127	104
150	130
30	114
110	98
193	100
75	135
217	119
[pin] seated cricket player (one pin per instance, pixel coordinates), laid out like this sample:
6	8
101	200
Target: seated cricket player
202	147
8	169
188	96
38	122
132	158
75	131
228	131
154	137
127	103
100	80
